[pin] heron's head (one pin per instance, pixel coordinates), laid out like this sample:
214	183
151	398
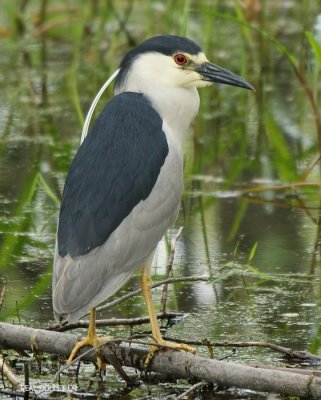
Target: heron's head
171	61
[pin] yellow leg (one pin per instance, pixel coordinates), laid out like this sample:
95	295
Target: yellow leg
146	285
91	340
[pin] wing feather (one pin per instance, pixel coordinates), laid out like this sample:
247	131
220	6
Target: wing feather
114	169
82	281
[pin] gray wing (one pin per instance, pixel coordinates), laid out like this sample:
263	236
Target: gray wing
115	168
81	282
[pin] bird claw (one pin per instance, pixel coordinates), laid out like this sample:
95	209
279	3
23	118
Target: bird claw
165	345
94	342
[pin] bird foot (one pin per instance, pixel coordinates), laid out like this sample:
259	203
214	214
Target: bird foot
166	345
90	341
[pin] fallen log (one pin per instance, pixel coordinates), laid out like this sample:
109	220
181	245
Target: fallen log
174	364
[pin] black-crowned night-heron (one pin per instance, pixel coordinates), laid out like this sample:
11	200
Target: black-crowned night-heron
123	189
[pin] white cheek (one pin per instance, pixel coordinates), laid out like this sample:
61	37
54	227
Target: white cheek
156	70
184	78
201	83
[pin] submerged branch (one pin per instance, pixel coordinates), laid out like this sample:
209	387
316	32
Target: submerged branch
173	364
113	322
6	371
291	354
2	295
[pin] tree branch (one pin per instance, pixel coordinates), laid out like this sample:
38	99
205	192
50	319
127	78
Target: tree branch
291	354
174	364
6	371
112	322
156	284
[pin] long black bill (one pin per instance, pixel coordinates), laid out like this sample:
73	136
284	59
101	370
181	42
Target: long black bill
213	73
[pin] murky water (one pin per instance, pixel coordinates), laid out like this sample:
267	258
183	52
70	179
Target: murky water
259	249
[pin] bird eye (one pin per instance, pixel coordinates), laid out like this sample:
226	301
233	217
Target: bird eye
180	59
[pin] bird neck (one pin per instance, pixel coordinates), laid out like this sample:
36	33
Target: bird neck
176	106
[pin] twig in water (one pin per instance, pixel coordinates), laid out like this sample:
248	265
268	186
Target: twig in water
18	313
291	354
2	374
26	373
190	390
113	322
288	352
5	371
2	294
169	267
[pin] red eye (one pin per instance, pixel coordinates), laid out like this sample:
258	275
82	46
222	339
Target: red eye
180	59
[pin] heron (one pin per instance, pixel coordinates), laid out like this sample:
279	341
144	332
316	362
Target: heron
123	188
